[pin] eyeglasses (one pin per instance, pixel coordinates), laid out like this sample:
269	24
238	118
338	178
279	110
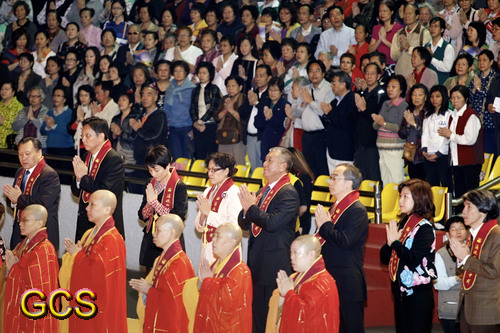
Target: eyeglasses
336	178
69	59
35	96
57	95
213	170
132	33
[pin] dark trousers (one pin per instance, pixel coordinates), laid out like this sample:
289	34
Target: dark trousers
465	178
414	313
366	160
178	142
438	173
204	142
450	326
490	144
352	316
416	170
260	306
467	328
314	150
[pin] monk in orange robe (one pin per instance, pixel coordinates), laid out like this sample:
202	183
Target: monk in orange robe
225	301
32	264
308	300
164	310
97	263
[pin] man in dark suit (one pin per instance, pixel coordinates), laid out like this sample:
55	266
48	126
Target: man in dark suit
343	232
339	120
34	183
479	310
102	170
271	217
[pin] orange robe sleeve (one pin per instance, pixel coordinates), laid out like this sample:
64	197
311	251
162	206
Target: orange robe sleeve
164	307
104	272
38	269
314	309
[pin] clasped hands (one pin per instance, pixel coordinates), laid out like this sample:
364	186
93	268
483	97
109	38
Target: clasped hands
247	198
79	168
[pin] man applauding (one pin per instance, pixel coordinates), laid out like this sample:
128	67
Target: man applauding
226	286
308	299
32	265
161	291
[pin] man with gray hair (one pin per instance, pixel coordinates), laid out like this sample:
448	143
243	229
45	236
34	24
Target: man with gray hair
343	231
271	217
292	113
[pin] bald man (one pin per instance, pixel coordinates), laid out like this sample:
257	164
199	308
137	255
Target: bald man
32	264
161	291
97	262
308	299
226	286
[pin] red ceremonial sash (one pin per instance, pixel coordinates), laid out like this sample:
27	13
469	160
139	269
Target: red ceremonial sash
209	232
232	262
28	245
96	164
108	225
394	262
339	209
164	259
477	245
285	179
167	198
317	267
29	183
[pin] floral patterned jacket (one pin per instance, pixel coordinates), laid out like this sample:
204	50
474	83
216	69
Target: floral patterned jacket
416	258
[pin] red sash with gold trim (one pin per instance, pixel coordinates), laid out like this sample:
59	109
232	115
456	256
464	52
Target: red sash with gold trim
285	179
27	245
394	262
167	198
107	226
164	258
317	267
106	147
29	183
340	208
469	277
231	263
208	235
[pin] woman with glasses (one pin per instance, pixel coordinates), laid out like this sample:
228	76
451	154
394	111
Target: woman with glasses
219	203
165	193
117	20
70	75
410	252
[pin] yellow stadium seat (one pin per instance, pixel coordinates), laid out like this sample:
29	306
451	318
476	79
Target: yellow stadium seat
247	161
320	195
243	171
495	172
197	166
390	202
439	197
182	163
258	173
486	169
368	186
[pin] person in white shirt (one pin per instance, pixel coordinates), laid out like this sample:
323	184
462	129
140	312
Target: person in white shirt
338	38
184	50
442	52
466	142
435	148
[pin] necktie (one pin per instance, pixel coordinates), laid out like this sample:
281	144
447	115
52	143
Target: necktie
90	163
264	195
312	94
25	179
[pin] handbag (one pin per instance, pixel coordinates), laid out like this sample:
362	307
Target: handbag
410	149
286	139
227	136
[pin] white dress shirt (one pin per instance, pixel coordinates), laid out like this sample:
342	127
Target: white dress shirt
341	39
469	137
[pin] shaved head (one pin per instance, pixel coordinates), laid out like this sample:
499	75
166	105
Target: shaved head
107	198
170	221
233	231
309	243
38	212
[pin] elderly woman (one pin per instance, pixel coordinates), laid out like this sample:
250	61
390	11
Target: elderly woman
389	144
30	119
219	203
177	105
21	10
421	60
165	193
109	45
9	108
462	68
466	142
27	78
410	252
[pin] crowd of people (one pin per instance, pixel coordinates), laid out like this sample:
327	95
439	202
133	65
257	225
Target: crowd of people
383	85
354	89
